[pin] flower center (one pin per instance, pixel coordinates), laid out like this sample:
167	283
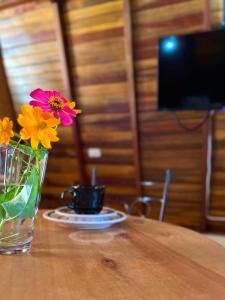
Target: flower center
42	125
55	103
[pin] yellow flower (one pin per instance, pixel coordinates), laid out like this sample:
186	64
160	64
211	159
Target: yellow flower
38	126
6	130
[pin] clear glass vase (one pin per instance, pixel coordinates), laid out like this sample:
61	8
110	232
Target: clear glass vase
22	172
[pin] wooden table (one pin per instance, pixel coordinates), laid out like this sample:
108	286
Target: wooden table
139	259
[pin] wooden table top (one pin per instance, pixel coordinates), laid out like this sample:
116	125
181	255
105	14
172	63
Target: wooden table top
139	259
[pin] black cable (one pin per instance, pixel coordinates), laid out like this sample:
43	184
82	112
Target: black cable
205	119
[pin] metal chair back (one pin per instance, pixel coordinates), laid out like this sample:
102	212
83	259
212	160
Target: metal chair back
146	199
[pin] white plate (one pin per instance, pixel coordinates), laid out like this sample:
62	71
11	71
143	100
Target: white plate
51	215
105	214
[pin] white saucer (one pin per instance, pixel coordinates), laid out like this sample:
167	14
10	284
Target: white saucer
105	214
52	215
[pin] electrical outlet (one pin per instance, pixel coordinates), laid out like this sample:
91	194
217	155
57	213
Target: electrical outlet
94	152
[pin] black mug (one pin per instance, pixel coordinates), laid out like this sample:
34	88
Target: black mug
86	199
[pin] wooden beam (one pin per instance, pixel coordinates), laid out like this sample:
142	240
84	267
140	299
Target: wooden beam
207	15
205	132
128	40
13	3
62	45
6	102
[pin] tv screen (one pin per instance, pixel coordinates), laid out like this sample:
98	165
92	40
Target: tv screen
192	71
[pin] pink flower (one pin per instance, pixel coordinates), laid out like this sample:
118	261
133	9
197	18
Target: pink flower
51	101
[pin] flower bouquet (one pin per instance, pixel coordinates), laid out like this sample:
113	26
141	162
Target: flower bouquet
23	159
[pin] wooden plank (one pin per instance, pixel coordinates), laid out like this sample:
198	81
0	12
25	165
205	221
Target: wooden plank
67	82
207	15
163	143
6	105
128	41
205	132
133	260
13	3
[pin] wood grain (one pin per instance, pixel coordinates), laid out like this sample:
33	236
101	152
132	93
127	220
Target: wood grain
95	40
163	143
98	61
128	39
66	74
216	7
135	260
32	60
6	105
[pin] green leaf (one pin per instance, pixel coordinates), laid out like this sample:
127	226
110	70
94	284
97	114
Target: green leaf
2	216
23	204
24	148
29	210
8	195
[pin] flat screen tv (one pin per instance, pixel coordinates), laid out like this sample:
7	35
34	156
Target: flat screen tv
192	71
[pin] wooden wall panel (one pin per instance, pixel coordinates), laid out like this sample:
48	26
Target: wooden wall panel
31	60
216	12
6	105
164	144
217	207
218	167
97	54
95	35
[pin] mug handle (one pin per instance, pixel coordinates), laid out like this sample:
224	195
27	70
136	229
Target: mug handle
69	190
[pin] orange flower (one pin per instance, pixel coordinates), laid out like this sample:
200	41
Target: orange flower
38	126
6	130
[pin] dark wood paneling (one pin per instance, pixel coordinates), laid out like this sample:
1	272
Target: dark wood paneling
217	198
67	80
6	105
32	60
164	144
98	61
216	7
95	32
129	56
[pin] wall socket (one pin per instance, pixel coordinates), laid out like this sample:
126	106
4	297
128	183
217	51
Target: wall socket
94	152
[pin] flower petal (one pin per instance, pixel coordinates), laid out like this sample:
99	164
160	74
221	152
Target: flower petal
66	120
44	140
6	130
52	122
64	100
51	134
34	140
26	133
39	95
69	111
38	103
56	94
72	105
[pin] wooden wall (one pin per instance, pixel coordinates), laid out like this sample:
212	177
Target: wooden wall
216	7
31	58
218	160
163	143
6	105
95	32
96	41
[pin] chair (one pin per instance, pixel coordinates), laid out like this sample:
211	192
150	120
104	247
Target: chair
145	199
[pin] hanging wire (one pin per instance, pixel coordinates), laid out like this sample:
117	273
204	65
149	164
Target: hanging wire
194	128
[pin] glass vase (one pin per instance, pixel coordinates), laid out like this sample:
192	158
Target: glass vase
22	173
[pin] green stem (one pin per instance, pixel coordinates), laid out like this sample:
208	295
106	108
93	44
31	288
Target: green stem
10	168
19	137
26	171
